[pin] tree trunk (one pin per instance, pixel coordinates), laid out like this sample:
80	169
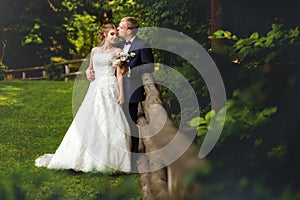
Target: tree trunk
3	51
215	22
169	181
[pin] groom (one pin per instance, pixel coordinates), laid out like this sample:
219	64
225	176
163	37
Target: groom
141	61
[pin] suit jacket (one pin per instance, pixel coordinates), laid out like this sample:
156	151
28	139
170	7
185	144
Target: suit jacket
139	64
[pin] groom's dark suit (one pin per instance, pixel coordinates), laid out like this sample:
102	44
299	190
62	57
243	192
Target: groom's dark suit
140	63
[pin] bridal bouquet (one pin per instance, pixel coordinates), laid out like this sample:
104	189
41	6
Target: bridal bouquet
121	59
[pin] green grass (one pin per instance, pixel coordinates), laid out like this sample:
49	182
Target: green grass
34	116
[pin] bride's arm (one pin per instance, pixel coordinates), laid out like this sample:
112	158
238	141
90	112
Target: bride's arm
121	99
119	75
89	72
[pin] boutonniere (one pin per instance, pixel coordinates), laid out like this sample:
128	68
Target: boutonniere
131	54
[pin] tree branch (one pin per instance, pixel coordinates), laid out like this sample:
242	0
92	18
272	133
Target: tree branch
3	50
52	6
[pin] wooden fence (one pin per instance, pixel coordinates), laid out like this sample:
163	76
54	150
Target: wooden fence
11	73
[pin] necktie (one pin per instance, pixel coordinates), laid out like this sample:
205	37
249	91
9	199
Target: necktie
127	42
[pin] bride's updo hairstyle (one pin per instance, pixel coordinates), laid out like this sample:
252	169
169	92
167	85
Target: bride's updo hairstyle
104	31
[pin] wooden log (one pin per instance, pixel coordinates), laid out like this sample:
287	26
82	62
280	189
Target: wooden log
143	166
154	183
73	73
25	69
164	130
10	72
159	185
26	79
72	61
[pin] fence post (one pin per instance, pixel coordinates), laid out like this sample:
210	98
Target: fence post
23	75
44	73
67	71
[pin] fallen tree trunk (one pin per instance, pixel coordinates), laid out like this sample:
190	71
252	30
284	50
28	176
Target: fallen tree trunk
166	178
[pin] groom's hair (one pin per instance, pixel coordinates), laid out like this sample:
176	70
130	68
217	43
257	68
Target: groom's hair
132	24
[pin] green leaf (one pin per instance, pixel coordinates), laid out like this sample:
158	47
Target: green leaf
276	27
244	52
254	35
258	142
209	115
249	41
240	42
271	56
201	131
166	13
294	32
227	34
219	33
36	26
278	34
197	121
234	37
269	111
269	42
260	42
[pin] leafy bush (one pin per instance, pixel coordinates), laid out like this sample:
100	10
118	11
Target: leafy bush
2	71
54	71
258	50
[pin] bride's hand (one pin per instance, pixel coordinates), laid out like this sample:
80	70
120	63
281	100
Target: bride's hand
121	99
90	75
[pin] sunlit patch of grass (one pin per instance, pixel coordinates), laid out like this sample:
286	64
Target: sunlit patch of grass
35	124
7	95
10	88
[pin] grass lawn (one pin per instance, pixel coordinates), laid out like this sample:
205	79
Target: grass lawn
34	116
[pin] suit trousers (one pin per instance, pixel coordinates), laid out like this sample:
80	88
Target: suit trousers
131	114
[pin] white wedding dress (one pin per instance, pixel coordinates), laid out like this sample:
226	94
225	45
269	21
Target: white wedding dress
99	136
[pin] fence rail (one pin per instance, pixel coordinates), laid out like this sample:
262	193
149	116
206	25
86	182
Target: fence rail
11	73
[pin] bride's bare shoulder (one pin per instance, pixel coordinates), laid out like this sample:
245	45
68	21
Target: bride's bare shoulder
95	49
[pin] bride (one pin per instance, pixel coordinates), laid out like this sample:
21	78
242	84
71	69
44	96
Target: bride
99	137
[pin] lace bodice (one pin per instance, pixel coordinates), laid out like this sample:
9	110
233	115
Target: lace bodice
102	64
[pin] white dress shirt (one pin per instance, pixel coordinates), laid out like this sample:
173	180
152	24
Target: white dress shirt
127	46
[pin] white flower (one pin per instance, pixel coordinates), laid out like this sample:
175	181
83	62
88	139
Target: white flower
132	54
121	59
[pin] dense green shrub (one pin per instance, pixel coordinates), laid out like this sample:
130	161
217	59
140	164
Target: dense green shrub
54	71
2	71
